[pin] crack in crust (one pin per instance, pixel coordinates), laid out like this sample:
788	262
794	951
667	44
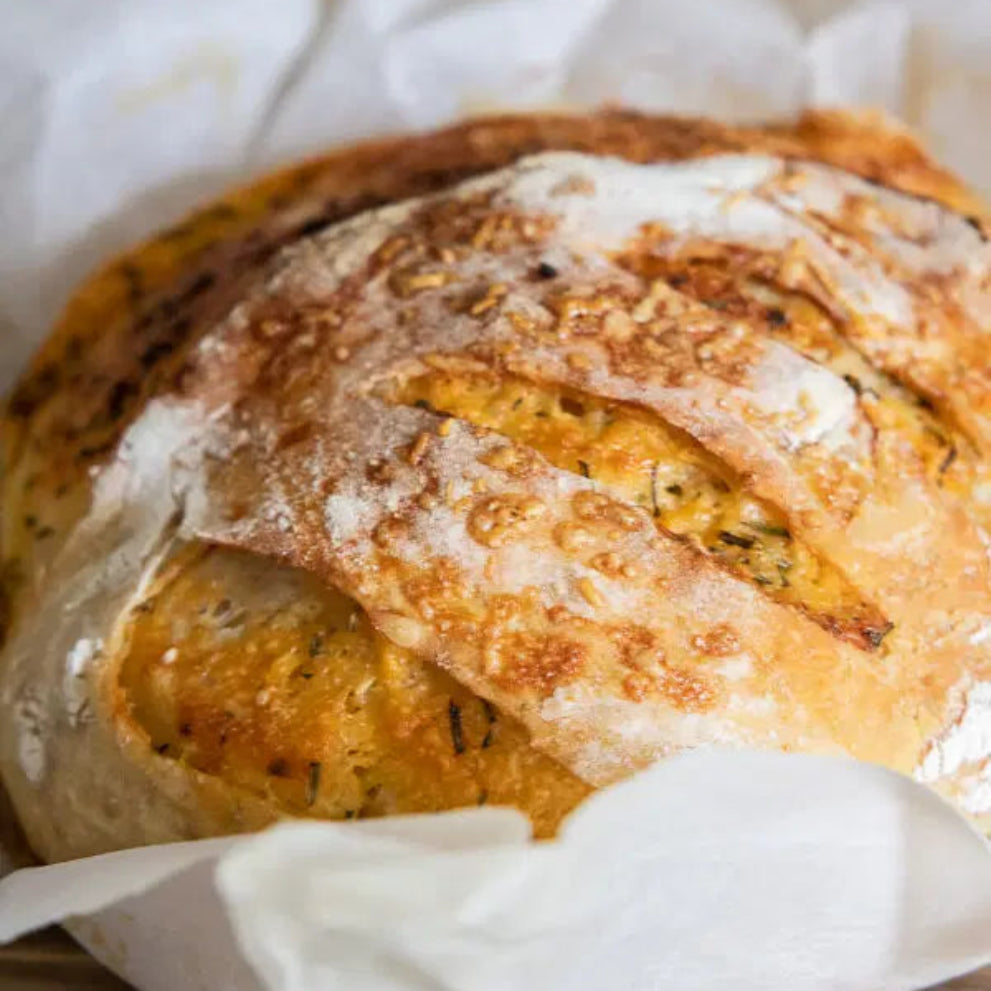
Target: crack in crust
690	494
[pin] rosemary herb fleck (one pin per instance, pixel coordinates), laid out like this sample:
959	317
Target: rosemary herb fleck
457	732
736	539
313	781
653	491
491	713
771	530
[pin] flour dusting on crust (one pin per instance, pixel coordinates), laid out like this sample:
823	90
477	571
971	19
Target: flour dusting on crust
965	747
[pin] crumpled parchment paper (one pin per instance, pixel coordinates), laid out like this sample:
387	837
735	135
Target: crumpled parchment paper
750	871
738	870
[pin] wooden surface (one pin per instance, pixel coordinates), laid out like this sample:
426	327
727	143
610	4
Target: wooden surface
50	961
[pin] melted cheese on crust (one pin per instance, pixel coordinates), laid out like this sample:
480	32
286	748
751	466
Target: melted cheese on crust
262	676
688	492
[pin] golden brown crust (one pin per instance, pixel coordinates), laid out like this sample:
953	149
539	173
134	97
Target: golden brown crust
149	295
263	677
818	337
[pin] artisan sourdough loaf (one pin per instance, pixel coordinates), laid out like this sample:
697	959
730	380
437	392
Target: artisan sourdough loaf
491	465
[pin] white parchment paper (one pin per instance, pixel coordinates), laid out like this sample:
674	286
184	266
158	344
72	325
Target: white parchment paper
749	871
745	871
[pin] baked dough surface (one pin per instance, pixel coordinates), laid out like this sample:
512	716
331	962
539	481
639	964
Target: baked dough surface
493	464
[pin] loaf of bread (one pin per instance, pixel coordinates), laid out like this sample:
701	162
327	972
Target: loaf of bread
490	465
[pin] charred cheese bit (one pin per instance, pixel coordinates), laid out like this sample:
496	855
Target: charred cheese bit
689	492
265	678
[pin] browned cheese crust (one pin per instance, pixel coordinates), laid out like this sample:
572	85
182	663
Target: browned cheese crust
492	464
